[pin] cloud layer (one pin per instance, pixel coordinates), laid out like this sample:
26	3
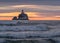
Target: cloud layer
43	7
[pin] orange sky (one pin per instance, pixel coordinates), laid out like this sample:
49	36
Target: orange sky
34	12
31	15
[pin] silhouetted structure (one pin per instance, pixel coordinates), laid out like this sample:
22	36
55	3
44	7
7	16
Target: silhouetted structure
21	16
14	18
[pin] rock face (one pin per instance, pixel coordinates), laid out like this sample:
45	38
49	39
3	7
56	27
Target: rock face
14	18
21	16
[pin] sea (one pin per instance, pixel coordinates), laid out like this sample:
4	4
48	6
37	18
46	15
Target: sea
31	31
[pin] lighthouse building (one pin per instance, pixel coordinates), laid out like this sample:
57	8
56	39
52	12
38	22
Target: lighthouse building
21	16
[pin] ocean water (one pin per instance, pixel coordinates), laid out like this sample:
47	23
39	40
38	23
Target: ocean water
42	31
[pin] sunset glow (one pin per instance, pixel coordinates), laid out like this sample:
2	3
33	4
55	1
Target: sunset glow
31	15
36	10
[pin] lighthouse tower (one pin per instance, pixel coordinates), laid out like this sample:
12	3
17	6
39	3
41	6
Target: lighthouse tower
22	16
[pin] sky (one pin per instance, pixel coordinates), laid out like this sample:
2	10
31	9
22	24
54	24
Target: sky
35	9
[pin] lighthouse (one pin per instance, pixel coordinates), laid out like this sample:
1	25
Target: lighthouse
21	16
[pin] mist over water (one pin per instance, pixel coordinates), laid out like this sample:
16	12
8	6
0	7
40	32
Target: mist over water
43	31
